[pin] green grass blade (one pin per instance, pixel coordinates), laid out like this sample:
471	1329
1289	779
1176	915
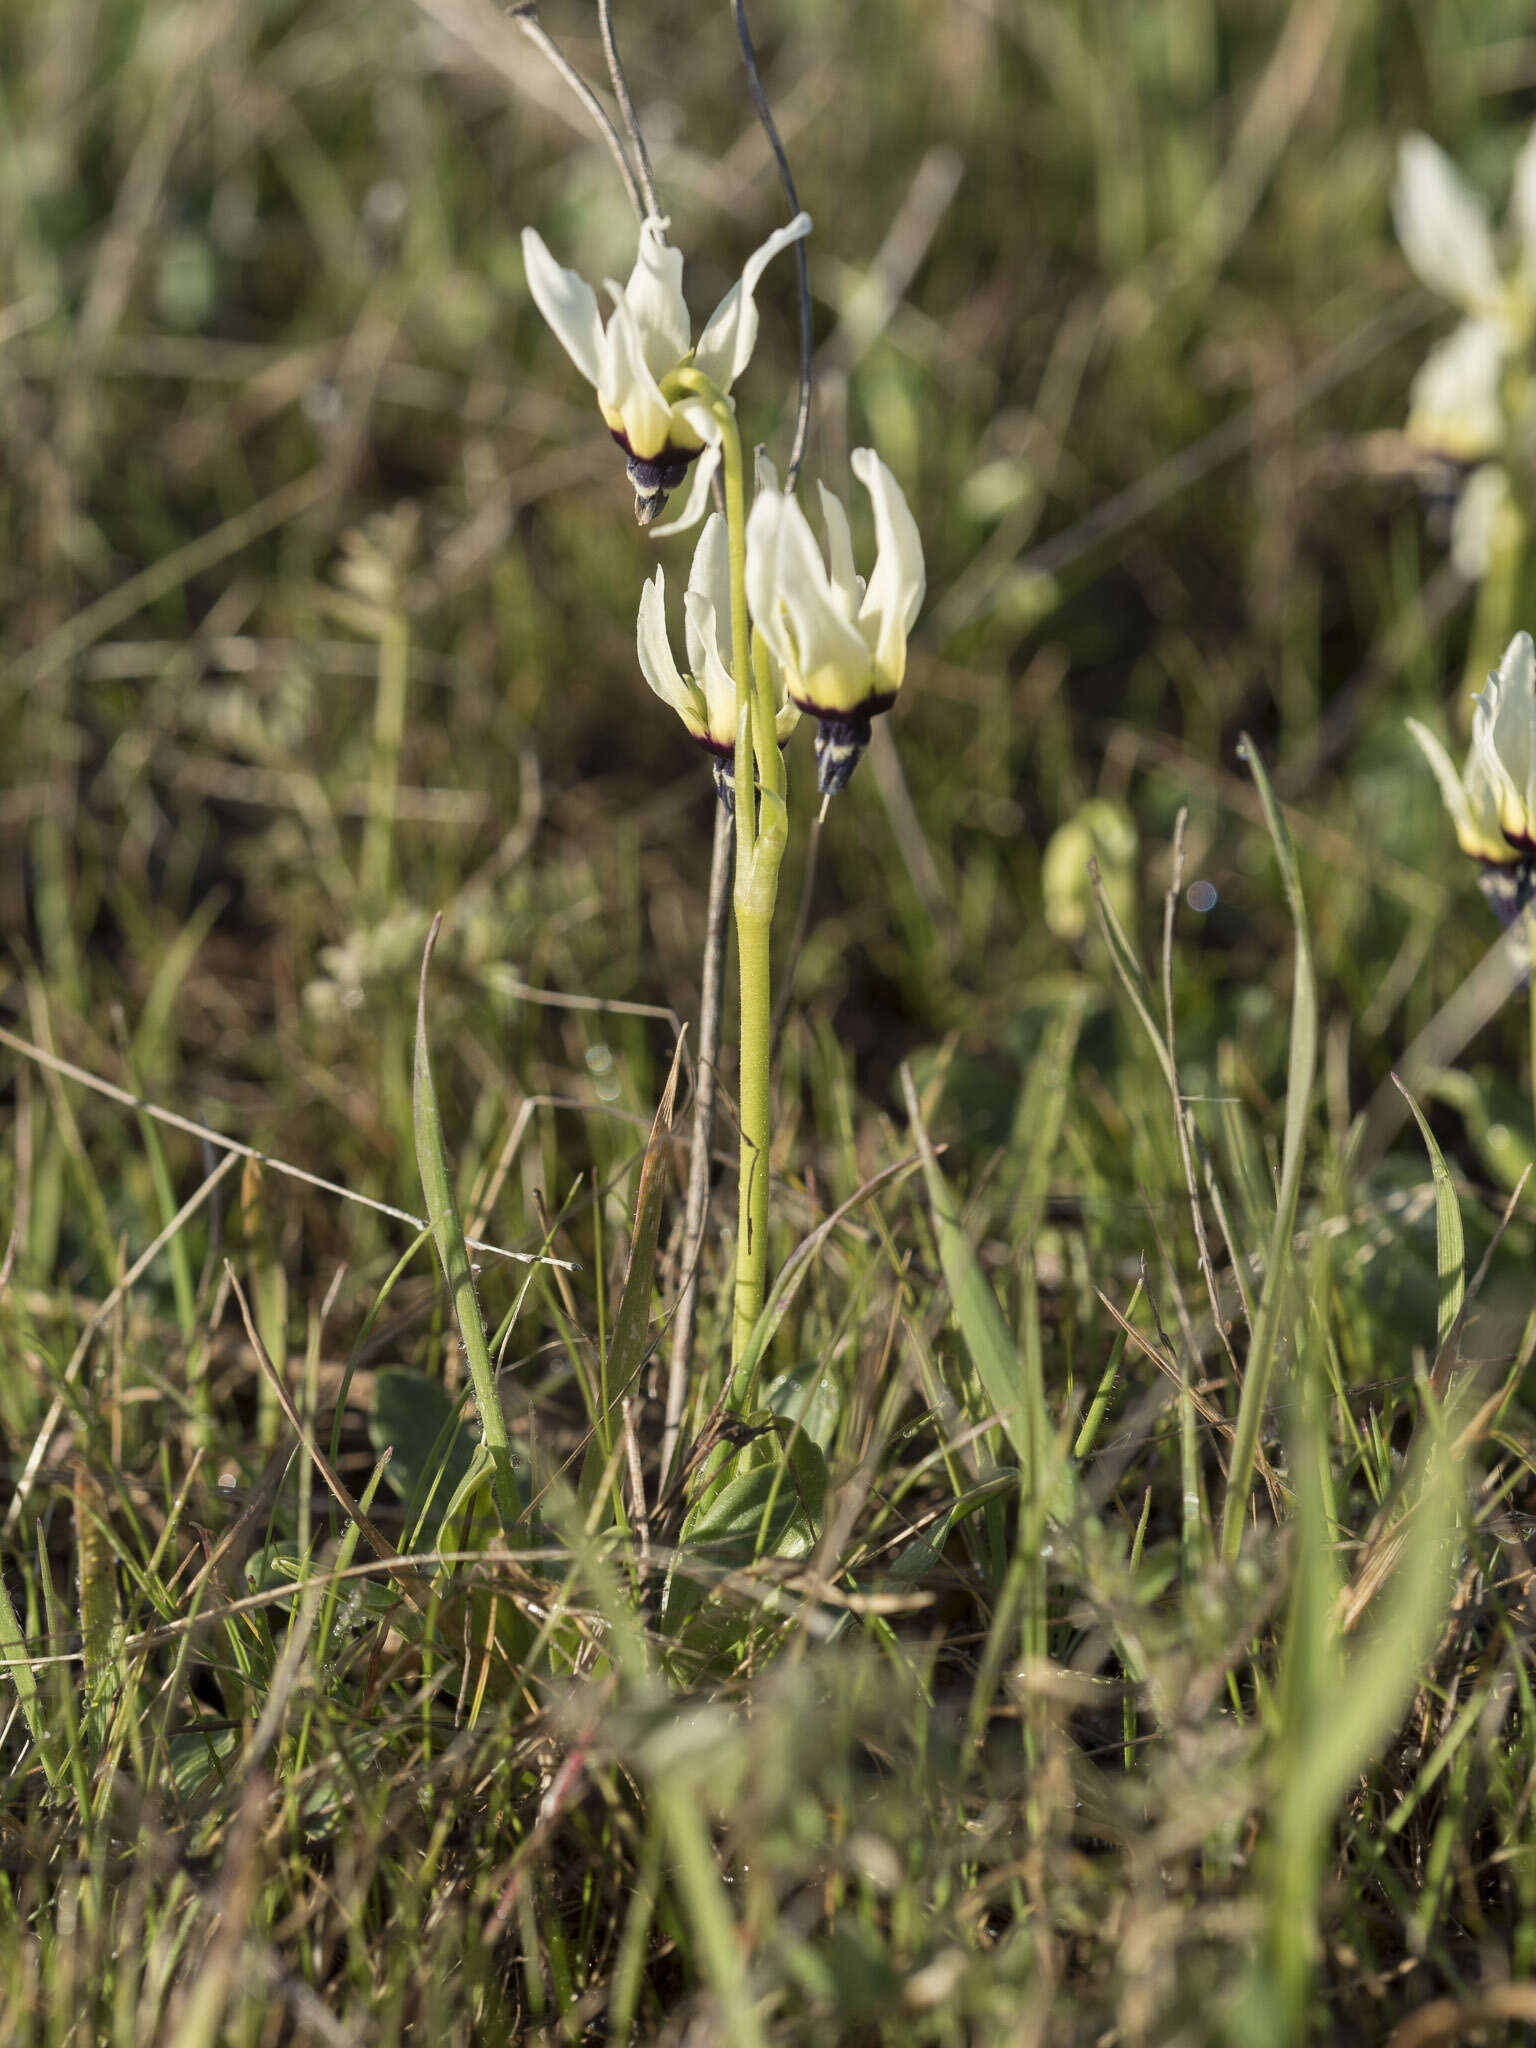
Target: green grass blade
453	1253
1099	1407
13	1647
1341	1714
1042	1110
1132	976
1298	1099
999	1363
1450	1239
632	1318
792	1275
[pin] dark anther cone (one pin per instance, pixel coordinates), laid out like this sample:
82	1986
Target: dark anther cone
725	782
839	743
1509	888
654	481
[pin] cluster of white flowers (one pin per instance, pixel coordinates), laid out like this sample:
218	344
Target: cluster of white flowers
1473	401
836	643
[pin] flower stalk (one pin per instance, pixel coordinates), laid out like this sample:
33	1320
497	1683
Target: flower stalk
806	632
762	831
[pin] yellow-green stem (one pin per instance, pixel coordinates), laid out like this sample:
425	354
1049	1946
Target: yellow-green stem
752	948
760	849
1530	940
761	830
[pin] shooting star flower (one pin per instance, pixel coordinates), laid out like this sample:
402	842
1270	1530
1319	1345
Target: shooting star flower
1471	401
644	343
841	642
705	697
1492	802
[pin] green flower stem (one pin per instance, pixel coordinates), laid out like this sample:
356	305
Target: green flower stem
1530	939
762	829
1498	596
752	950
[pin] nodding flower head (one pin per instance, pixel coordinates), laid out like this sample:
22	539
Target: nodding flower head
705	697
842	642
1493	801
645	341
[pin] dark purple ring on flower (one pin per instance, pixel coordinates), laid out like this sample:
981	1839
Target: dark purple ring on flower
654	477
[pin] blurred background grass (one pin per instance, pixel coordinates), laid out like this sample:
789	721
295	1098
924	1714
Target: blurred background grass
260	288
262	250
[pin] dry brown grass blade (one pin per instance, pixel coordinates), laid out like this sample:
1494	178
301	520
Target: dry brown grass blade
1455	2019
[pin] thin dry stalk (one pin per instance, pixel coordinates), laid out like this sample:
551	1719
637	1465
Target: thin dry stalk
802	264
696	1206
526	18
627	106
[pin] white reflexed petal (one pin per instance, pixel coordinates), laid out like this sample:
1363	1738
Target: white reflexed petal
1486	754
655	297
1501	759
730	333
699	630
1442	225
844	577
831	656
1473	800
898	581
655	652
765	475
709	583
697	499
1483	836
1477	519
1454	406
1516	671
1513	690
711	671
1522	207
626	387
567	302
1452	792
764	524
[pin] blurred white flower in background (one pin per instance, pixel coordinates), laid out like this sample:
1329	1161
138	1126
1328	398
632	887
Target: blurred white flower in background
1471	401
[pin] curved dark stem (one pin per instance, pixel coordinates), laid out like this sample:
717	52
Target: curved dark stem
802	267
797	937
626	105
526	15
